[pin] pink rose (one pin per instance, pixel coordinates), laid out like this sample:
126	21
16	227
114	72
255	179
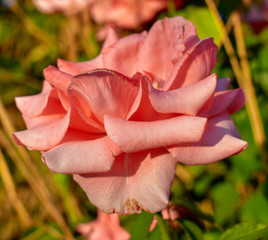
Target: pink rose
105	227
126	13
68	7
120	122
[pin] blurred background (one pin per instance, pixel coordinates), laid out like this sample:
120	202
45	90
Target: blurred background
37	204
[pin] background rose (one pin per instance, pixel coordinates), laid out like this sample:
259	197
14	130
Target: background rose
126	13
121	121
68	7
105	227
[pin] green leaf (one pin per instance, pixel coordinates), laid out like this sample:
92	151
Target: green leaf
155	234
225	199
244	231
140	229
193	232
163	228
255	208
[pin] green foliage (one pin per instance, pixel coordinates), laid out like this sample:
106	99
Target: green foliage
244	231
216	201
141	227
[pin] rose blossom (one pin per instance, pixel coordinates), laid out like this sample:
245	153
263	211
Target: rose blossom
126	13
68	7
120	122
105	227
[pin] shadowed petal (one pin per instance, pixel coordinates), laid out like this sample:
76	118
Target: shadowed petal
103	92
57	78
223	84
187	100
80	157
220	141
232	101
32	106
135	136
43	137
195	65
136	181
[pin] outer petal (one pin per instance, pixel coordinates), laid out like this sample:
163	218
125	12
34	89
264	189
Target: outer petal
80	157
133	136
103	92
43	137
195	65
75	68
137	180
33	106
42	120
187	100
168	38
57	78
232	101
111	38
220	141
122	56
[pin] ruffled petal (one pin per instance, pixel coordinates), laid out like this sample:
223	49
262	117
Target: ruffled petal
42	120
164	44
122	56
220	141
133	136
111	38
136	181
230	100
75	68
195	65
78	157
43	137
103	92
57	78
187	100
32	106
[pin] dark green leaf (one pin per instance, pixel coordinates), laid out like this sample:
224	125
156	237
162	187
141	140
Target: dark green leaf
193	232
140	229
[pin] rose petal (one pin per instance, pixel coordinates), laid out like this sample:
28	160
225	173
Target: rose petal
78	157
223	84
103	92
232	101
220	141
168	38
136	180
42	120
57	78
75	68
122	55
195	65
43	137
187	100
32	106
133	136
111	38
